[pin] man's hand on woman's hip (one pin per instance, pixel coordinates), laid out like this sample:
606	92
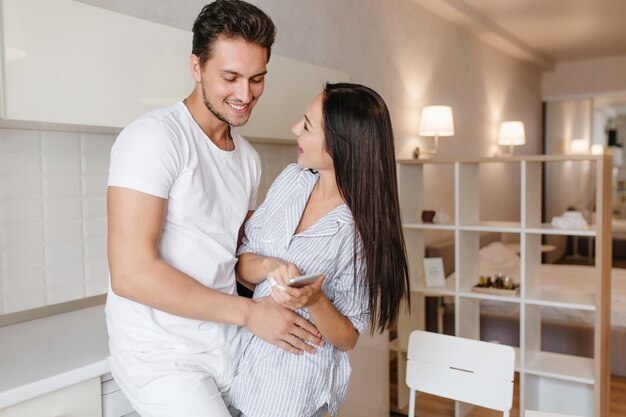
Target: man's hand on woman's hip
282	327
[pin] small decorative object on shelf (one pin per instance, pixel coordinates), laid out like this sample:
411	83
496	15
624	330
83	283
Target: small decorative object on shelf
428	216
441	217
501	285
416	152
433	272
569	220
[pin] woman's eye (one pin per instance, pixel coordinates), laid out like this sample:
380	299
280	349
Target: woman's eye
306	127
229	80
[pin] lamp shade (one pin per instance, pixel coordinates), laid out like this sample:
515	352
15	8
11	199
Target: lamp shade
597	149
512	133
437	121
579	146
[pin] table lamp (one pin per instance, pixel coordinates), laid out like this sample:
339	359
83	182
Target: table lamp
512	134
436	121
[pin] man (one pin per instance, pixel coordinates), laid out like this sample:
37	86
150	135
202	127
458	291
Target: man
181	183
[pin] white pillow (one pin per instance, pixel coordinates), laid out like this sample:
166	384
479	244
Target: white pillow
497	252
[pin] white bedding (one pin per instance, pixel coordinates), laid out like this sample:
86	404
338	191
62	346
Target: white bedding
571	278
495	258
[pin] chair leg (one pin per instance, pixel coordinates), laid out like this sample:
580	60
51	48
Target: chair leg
412	403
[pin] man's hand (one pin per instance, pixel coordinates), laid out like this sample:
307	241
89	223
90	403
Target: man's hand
282	327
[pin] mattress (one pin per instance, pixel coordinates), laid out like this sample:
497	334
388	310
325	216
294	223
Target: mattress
497	258
570	278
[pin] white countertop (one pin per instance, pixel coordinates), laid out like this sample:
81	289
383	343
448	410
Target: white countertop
47	354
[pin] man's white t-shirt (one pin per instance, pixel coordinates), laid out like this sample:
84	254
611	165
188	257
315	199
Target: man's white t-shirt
209	192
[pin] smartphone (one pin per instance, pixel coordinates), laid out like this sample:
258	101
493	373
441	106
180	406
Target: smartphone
301	281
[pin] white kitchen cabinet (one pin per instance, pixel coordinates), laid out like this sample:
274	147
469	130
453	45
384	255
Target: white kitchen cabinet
71	63
114	402
565	383
79	400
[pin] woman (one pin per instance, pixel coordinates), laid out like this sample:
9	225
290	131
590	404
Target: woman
335	212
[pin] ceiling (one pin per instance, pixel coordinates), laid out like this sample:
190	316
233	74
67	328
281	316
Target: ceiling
542	31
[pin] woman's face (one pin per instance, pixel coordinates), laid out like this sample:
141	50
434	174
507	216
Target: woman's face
310	137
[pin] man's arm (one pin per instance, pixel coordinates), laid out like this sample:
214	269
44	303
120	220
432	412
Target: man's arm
139	274
334	326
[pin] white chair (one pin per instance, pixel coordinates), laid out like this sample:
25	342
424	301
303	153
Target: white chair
531	413
471	371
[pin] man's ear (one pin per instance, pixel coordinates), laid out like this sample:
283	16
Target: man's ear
195	67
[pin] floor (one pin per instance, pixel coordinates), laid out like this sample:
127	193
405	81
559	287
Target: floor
431	406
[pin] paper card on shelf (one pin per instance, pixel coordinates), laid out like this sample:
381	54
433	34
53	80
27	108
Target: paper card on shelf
433	272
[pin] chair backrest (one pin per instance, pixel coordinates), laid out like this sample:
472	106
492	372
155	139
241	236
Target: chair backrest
466	370
531	413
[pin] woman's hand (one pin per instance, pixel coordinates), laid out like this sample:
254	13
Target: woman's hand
281	271
295	298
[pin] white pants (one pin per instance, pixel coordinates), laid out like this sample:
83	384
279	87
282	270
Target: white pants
176	384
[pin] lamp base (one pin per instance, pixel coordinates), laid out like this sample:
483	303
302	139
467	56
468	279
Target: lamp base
510	154
430	152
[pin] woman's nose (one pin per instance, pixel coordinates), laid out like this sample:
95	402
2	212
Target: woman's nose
297	128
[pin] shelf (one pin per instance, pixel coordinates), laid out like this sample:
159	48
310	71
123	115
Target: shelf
436	291
428	226
493	226
559	366
505	227
492	297
479	203
548	229
562	299
508	159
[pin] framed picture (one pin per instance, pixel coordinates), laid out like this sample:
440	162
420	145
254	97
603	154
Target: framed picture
433	272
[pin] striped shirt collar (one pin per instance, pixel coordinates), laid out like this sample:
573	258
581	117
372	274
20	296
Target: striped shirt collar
329	223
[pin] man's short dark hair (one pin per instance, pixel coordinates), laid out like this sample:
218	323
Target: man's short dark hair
233	19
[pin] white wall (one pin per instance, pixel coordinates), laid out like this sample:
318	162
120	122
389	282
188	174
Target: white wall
412	58
585	77
568	184
52	217
53	214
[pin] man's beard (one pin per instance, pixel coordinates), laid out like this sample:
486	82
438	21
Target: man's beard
217	114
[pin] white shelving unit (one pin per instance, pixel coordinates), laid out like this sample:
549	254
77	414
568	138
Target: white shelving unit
548	381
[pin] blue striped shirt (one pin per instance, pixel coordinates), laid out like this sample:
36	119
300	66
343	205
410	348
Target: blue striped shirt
269	381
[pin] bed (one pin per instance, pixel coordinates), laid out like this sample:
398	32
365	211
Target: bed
563	330
618	227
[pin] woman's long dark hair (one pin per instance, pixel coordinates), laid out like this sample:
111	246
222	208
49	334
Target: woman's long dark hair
359	138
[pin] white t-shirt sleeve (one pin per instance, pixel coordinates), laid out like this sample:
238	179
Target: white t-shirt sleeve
146	157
